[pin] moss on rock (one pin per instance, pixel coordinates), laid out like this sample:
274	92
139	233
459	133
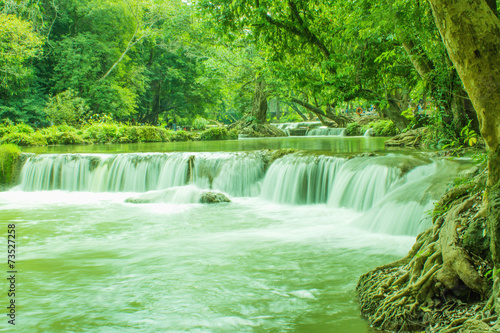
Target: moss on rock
9	159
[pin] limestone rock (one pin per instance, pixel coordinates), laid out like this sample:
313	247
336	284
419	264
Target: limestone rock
213	197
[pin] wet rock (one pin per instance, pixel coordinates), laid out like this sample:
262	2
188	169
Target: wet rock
411	138
213	197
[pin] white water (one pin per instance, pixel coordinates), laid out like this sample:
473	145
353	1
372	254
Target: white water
323	130
395	201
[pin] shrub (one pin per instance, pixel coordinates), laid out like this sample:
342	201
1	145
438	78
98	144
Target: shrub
385	128
353	129
151	134
62	134
215	133
200	124
66	108
68	138
9	154
233	134
19	128
24	139
381	128
180	136
102	133
23	128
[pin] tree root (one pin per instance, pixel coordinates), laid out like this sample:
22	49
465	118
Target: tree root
433	280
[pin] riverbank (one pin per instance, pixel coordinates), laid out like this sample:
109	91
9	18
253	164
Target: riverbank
105	132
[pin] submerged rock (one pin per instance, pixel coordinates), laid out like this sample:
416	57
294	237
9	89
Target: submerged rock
213	197
180	195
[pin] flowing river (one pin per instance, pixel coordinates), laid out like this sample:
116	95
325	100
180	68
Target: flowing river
110	239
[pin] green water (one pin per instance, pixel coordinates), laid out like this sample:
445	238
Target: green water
89	262
339	145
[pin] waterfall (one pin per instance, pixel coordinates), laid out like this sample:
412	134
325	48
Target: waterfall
368	133
391	192
136	172
296	179
326	131
405	209
233	173
360	183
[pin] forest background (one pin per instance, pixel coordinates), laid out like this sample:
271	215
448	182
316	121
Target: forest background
192	63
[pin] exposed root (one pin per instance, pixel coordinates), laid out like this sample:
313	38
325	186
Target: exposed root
438	286
411	138
253	130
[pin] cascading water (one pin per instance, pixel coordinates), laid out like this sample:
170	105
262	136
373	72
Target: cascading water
394	198
296	179
104	173
326	131
236	174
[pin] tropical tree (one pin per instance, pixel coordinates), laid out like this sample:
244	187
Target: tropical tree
19	45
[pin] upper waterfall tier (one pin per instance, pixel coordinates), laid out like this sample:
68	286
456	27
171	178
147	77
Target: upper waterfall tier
237	174
393	191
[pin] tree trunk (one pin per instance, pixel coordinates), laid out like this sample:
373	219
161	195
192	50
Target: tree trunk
471	34
341	121
278	110
296	109
393	112
259	105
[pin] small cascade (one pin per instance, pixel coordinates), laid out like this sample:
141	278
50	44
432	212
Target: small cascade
326	131
368	133
233	173
362	182
403	211
296	179
104	173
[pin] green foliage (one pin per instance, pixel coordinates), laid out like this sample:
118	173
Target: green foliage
66	108
24	139
353	129
102	132
180	136
18	44
200	124
381	128
232	134
9	153
468	137
214	133
21	135
62	134
291	118
148	133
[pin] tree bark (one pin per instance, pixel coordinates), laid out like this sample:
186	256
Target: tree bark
471	33
341	121
393	112
259	105
296	109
